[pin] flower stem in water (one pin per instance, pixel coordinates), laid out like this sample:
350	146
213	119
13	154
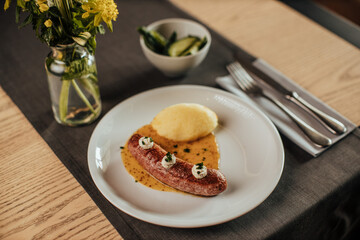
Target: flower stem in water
63	101
82	96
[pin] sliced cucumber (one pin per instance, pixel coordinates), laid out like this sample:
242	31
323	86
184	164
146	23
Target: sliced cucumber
203	43
177	48
158	37
156	42
192	50
171	40
153	40
197	46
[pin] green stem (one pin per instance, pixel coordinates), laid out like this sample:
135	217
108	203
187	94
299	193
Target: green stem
87	84
82	96
63	100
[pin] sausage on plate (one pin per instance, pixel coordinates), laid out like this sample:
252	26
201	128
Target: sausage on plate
179	175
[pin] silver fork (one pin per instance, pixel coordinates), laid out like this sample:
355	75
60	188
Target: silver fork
248	85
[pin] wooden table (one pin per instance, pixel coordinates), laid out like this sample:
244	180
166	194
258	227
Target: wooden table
40	199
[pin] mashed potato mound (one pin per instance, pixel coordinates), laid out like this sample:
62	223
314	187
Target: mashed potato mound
185	122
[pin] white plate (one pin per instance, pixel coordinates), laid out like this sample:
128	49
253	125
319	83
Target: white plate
251	158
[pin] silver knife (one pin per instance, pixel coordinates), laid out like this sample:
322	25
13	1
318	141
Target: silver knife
267	73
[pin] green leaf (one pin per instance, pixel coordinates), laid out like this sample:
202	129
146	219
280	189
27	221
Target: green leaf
77	23
91	44
27	21
47	35
100	29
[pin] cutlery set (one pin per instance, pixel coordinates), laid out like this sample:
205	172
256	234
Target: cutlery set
248	85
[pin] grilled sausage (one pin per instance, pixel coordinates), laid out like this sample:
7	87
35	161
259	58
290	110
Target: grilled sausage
180	175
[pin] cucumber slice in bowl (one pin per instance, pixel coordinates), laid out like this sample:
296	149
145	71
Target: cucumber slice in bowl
179	47
174	48
158	37
153	40
196	47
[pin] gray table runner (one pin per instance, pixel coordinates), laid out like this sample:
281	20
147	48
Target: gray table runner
310	190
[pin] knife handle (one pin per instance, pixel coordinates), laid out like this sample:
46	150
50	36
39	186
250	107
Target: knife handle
331	122
315	136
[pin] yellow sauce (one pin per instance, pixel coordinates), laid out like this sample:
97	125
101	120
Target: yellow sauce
202	150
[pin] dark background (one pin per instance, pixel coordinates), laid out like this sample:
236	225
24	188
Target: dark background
349	9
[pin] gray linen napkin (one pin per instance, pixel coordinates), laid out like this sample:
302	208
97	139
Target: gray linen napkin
284	124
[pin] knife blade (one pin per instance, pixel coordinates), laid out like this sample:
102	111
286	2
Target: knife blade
268	74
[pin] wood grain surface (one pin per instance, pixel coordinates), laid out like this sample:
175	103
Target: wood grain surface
39	198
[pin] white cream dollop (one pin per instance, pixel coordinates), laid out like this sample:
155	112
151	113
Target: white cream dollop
146	142
199	170
168	160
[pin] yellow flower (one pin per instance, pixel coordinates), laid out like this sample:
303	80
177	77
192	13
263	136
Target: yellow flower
43	7
89	7
7	4
85	15
105	10
48	23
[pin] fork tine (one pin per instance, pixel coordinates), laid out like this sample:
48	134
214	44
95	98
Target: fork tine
244	73
235	75
245	77
241	77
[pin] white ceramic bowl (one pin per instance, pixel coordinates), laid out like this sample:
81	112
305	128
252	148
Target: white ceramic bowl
177	66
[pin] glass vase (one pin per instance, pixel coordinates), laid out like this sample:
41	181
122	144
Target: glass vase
73	85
